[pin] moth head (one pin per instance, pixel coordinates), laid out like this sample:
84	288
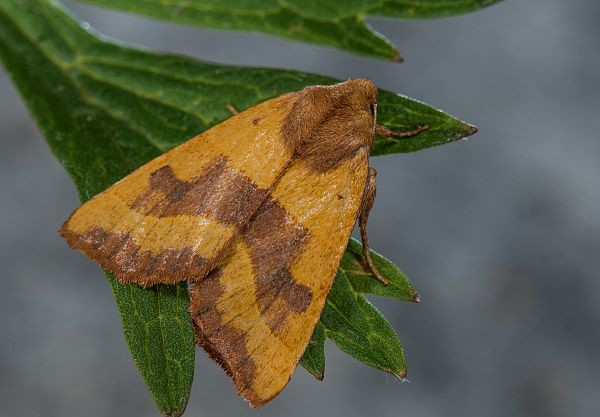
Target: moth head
361	100
328	124
361	96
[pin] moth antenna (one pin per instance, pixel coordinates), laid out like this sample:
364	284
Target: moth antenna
387	133
367	203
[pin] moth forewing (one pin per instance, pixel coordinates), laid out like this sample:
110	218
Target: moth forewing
174	218
256	313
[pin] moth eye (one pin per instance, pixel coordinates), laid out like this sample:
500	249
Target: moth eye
372	109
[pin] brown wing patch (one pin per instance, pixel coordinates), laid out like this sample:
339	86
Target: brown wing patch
227	337
274	242
220	193
175	217
168	234
274	282
120	252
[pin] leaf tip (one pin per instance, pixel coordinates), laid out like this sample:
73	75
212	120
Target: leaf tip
397	57
469	129
319	374
401	375
415	297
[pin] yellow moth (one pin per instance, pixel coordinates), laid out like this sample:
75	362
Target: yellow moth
255	214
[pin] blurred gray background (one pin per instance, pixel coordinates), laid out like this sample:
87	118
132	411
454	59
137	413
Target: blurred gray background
501	233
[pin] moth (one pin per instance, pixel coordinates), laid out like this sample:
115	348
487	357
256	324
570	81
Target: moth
255	213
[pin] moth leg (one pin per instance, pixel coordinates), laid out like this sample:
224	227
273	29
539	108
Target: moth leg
367	203
387	133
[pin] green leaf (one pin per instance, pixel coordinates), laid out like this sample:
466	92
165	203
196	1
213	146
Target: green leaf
357	328
158	329
38	45
313	359
340	24
363	281
352	323
105	109
401	113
